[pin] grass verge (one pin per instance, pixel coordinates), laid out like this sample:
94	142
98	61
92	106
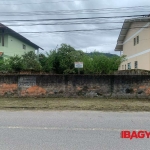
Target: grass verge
75	104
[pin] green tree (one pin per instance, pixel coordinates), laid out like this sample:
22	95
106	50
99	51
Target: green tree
101	64
15	63
5	65
65	56
30	62
48	61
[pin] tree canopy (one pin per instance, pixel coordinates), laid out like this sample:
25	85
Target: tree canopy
61	61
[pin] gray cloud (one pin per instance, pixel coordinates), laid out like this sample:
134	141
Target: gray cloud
103	41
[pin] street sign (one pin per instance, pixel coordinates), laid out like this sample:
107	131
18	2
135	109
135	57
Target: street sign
78	64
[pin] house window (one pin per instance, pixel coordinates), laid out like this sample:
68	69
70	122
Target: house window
129	65
24	46
137	39
122	67
125	67
136	64
134	41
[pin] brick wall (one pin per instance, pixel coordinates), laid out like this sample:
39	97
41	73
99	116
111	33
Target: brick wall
118	86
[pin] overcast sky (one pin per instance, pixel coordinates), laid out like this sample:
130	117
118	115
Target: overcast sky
100	40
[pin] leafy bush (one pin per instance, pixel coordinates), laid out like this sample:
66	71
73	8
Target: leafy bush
4	65
101	64
48	61
61	61
15	63
30	62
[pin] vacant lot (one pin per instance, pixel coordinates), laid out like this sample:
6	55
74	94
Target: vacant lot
75	104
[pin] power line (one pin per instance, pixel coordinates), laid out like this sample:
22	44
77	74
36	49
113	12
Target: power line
88	10
42	2
129	16
64	13
85	30
71	23
63	23
80	11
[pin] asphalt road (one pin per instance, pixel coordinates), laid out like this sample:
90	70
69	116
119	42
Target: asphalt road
71	130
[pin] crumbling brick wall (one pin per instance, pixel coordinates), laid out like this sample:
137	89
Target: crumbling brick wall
115	86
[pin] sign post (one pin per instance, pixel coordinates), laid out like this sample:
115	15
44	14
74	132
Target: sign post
78	65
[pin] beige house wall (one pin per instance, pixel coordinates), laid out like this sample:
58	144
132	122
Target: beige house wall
143	62
139	52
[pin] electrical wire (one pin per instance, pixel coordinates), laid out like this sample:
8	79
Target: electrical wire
89	10
41	2
27	20
82	30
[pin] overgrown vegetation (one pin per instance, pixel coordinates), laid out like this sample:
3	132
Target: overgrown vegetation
61	61
27	62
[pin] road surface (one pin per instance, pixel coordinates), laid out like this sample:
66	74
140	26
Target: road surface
71	130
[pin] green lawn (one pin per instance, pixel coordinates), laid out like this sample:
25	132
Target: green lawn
75	104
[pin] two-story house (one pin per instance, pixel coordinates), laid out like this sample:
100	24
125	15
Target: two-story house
134	42
12	43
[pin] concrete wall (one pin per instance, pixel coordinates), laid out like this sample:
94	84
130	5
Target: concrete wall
114	86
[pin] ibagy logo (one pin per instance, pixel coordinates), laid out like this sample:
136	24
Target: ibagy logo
137	134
